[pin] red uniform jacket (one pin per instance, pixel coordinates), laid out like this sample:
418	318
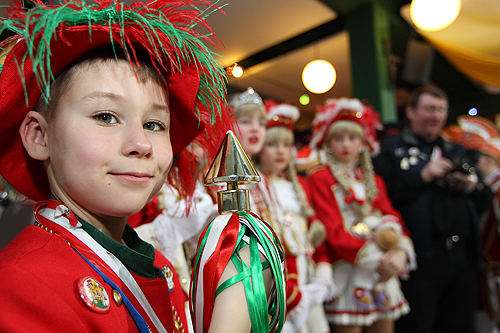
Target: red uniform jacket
340	243
39	274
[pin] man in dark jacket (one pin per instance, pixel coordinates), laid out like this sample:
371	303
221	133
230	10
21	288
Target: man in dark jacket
433	184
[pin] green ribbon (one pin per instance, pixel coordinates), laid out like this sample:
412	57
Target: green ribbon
268	241
252	277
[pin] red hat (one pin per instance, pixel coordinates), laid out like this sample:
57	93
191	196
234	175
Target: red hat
492	148
281	114
469	140
51	38
307	158
478	125
346	109
477	133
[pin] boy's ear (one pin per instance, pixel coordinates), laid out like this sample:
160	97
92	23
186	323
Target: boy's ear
33	133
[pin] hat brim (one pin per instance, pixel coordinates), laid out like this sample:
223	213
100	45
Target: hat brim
28	176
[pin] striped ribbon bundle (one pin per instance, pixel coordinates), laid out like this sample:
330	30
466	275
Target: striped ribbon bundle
222	241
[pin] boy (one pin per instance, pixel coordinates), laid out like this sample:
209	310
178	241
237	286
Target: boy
96	102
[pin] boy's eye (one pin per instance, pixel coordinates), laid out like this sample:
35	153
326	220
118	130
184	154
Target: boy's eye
153	126
262	123
106	118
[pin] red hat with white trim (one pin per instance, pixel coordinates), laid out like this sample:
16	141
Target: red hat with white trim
351	109
477	126
469	140
281	114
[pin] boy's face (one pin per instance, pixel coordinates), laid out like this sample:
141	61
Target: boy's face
251	134
109	141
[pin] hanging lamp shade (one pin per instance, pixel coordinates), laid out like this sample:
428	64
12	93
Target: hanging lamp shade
434	15
319	76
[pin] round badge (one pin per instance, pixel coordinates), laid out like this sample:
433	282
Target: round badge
361	229
414	151
404	164
399	152
93	294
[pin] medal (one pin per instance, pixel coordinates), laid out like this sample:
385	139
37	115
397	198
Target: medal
169	276
404	165
361	229
413	151
413	160
93	294
399	152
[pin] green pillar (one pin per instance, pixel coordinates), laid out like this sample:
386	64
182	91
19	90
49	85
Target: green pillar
368	26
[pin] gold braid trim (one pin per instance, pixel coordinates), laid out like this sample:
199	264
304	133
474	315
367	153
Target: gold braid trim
293	296
345	181
307	210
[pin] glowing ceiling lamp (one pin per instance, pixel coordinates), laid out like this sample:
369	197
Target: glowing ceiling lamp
319	76
235	70
434	15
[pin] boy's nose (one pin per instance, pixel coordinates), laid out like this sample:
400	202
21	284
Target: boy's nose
136	142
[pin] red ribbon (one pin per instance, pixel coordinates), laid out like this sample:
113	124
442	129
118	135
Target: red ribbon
217	262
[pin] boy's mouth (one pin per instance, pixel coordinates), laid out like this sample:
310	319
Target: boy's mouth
133	177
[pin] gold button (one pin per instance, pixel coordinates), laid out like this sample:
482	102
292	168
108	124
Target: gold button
184	280
118	297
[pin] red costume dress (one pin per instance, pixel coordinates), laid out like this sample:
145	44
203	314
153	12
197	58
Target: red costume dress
347	252
490	242
305	290
46	272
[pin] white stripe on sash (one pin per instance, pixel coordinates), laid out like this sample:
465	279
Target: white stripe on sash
116	265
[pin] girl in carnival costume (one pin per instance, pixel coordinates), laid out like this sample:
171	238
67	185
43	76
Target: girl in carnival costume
480	135
250	114
353	204
294	219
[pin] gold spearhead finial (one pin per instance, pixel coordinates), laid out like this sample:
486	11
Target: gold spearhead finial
232	166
